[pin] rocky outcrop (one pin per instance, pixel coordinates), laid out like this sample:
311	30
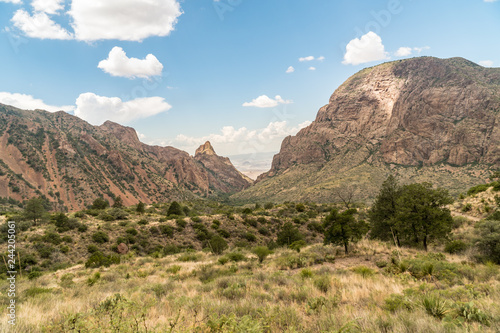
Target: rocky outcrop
221	170
72	162
415	113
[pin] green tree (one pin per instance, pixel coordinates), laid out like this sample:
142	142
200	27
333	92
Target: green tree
343	228
422	213
261	252
141	208
175	209
100	203
488	239
118	202
384	211
288	234
34	209
217	244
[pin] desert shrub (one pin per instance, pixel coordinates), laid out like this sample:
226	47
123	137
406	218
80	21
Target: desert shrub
488	239
93	279
100	237
264	231
236	256
224	233
142	222
306	273
315	227
189	256
467	208
44	251
215	224
261	252
397	302
100	204
92	248
175	209
34	275
181	224
154	230
364	271
470	313
35	291
297	245
323	283
82	228
288	234
223	260
171	249
52	238
174	269
217	244
269	205
196	219
98	259
478	189
435	306
455	246
250	237
132	231
251	222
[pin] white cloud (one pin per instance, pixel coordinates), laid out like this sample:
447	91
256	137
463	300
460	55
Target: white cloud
312	68
12	1
265	102
118	64
367	49
321	58
39	26
28	102
48	6
486	63
132	20
408	51
97	109
404	51
310	58
235	141
490	0
290	70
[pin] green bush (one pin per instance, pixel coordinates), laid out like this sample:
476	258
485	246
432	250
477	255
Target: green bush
100	237
261	252
217	244
435	306
224	233
97	259
455	246
52	238
92	248
236	256
171	249
250	237
488	239
478	189
323	283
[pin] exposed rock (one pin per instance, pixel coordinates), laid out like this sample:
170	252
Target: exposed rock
420	112
122	248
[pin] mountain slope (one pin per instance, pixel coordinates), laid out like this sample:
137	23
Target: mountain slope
425	119
72	162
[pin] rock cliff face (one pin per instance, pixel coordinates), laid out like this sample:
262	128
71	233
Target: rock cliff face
222	172
72	162
423	118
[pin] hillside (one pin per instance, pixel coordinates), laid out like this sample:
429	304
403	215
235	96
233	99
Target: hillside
72	162
423	119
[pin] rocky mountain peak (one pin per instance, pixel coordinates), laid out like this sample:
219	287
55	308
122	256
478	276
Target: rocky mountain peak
206	149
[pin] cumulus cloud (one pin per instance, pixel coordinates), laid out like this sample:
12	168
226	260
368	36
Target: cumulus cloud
12	1
28	102
97	109
404	51
408	51
266	102
48	6
290	70
486	63
39	25
131	20
309	58
312	68
118	64
321	58
490	0
368	48
234	141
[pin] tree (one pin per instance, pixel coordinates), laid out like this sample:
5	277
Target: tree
34	209
100	203
346	194
118	202
175	209
343	228
422	214
261	252
288	234
141	209
488	239
384	211
217	244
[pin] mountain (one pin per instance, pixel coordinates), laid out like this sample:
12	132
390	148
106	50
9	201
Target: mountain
423	119
72	162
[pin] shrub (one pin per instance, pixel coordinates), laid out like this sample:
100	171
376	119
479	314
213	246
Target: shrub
67	239
261	252
288	234
174	269
132	231
250	237
488	239
189	257
297	245
143	222
82	228
100	237
364	271
181	224
93	279
217	244
52	238
269	205
236	256
224	233
435	306
171	249
100	204
154	230
264	231
455	246
34	275
306	273
323	283
35	291
467	208
98	259
92	248
175	209
478	189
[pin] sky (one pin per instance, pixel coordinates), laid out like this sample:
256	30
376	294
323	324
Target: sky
243	74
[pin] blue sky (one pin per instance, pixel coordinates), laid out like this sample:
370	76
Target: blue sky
210	58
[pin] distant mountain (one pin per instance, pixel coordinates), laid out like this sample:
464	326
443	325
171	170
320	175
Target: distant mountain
72	162
424	119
